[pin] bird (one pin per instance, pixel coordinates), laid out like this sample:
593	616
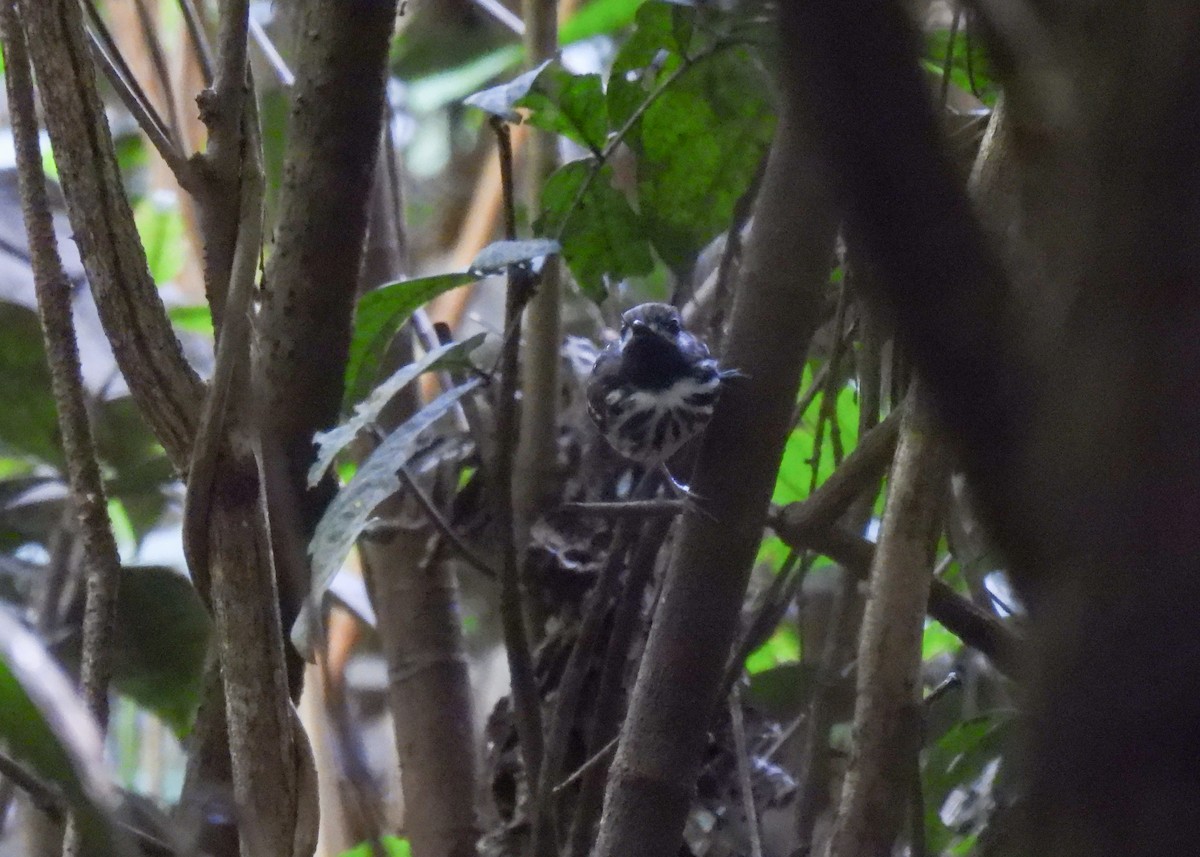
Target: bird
653	389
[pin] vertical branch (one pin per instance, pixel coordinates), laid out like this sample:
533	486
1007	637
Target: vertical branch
415	594
62	352
54	307
164	385
217	194
103	565
878	785
311	281
609	705
537	452
775	312
526	704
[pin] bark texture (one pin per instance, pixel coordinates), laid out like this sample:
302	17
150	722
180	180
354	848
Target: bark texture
103	565
887	733
167	391
312	276
537	450
415	594
775	312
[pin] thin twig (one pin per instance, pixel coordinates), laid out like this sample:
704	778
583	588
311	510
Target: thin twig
784	735
575	673
588	766
199	39
159	61
140	108
100	33
737	725
62	352
627	508
862	468
768	613
723	291
809	396
44	796
443	526
828	412
948	65
526	702
272	55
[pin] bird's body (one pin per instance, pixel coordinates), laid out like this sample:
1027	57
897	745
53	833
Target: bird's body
654	389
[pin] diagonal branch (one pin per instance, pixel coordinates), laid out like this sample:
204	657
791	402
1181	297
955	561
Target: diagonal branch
165	387
776	311
62	351
198	38
526	703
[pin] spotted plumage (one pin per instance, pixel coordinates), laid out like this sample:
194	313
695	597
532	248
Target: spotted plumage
653	389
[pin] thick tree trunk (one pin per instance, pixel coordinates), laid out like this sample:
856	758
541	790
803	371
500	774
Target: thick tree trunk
1080	433
313	272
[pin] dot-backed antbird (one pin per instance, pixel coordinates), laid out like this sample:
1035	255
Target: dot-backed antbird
653	389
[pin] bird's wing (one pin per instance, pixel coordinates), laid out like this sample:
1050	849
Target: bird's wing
605	378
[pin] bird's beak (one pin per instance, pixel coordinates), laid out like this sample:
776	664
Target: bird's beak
640	328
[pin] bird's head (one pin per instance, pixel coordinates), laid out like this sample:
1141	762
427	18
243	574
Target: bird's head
660	321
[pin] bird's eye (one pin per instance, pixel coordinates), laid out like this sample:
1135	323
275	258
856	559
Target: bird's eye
672	326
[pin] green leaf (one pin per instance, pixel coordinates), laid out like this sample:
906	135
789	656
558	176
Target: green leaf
598	17
783	691
568	104
193	319
698	148
393	846
437	90
160	226
937	640
330	443
137	471
957	759
500	100
28	420
795	469
781	648
380	314
496	257
47	730
161	638
602	236
979	64
351	509
647	55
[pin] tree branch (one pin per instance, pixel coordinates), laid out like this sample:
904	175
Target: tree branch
166	388
860	471
776	311
526	701
907	209
886	720
311	280
974	626
53	288
537	447
62	352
